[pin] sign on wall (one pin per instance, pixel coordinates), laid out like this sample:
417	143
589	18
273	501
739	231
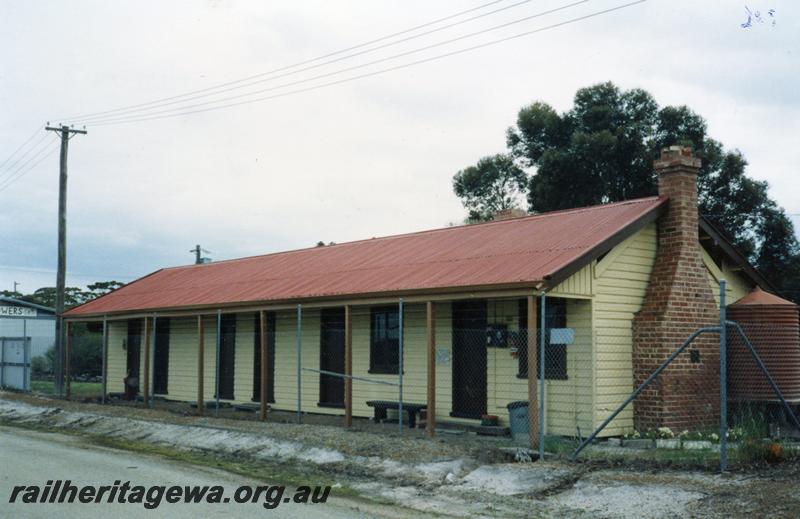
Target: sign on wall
562	335
442	357
17	311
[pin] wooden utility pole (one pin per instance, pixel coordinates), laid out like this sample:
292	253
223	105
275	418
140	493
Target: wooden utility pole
66	133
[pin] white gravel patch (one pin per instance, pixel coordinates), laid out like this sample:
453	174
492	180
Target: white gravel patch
512	479
627	501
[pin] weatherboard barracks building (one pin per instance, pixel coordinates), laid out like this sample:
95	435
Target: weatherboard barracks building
625	284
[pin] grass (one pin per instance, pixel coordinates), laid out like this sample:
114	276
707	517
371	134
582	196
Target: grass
79	390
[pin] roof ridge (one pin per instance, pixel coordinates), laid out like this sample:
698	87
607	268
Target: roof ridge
425	231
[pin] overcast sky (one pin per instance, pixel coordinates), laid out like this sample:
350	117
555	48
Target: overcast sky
364	158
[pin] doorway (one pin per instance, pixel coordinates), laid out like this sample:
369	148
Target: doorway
132	363
331	357
469	359
227	356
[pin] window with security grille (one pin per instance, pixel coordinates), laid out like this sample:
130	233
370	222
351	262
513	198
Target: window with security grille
384	340
555	358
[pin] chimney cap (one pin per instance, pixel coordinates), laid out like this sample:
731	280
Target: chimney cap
508	214
674	155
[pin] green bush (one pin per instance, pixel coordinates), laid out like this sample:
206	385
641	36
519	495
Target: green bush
41	365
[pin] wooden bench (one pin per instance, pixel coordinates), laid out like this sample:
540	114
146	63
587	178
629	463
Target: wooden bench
381	406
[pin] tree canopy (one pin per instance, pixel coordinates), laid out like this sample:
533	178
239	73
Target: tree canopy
73	296
602	150
495	183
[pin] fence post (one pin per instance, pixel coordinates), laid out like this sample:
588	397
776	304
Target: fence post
216	367
104	368
430	410
153	362
542	343
26	358
723	381
67	364
532	362
400	363
299	363
145	380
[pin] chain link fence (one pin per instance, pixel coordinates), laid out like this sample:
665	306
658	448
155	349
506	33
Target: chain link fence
450	366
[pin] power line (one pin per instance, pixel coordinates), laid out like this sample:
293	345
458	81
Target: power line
369	74
29	139
347	69
51	271
287	67
22	172
184	99
14	164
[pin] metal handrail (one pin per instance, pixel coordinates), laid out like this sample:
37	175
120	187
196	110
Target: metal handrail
644	384
352	377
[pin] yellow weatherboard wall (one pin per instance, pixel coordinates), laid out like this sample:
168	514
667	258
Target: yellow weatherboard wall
620	284
602	299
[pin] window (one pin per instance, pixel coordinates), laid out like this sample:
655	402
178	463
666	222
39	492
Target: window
384	340
555	359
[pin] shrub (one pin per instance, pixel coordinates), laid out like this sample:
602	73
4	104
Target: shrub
40	365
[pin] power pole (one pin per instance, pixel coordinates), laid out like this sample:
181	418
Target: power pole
16	284
197	259
66	133
198	255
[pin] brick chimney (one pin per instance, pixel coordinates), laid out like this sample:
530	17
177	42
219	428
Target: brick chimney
508	214
679	300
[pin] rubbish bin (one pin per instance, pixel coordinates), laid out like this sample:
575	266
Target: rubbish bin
518	420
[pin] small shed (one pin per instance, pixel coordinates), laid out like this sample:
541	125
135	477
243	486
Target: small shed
27	322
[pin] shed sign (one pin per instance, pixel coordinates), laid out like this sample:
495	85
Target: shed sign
17	311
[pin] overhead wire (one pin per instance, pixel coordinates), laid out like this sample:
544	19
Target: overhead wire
29	139
23	170
185	111
346	69
20	158
246	83
287	67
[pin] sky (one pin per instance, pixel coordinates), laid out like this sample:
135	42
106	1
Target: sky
369	157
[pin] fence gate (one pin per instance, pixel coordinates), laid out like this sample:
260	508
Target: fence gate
15	363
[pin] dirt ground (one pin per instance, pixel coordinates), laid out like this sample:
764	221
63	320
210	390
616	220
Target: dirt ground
459	475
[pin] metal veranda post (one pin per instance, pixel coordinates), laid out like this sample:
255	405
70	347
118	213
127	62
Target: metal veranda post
542	333
216	367
26	358
152	383
299	362
723	381
400	362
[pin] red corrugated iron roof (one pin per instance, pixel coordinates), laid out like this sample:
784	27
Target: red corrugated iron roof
522	250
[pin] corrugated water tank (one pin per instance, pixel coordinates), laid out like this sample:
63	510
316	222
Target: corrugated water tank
773	326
